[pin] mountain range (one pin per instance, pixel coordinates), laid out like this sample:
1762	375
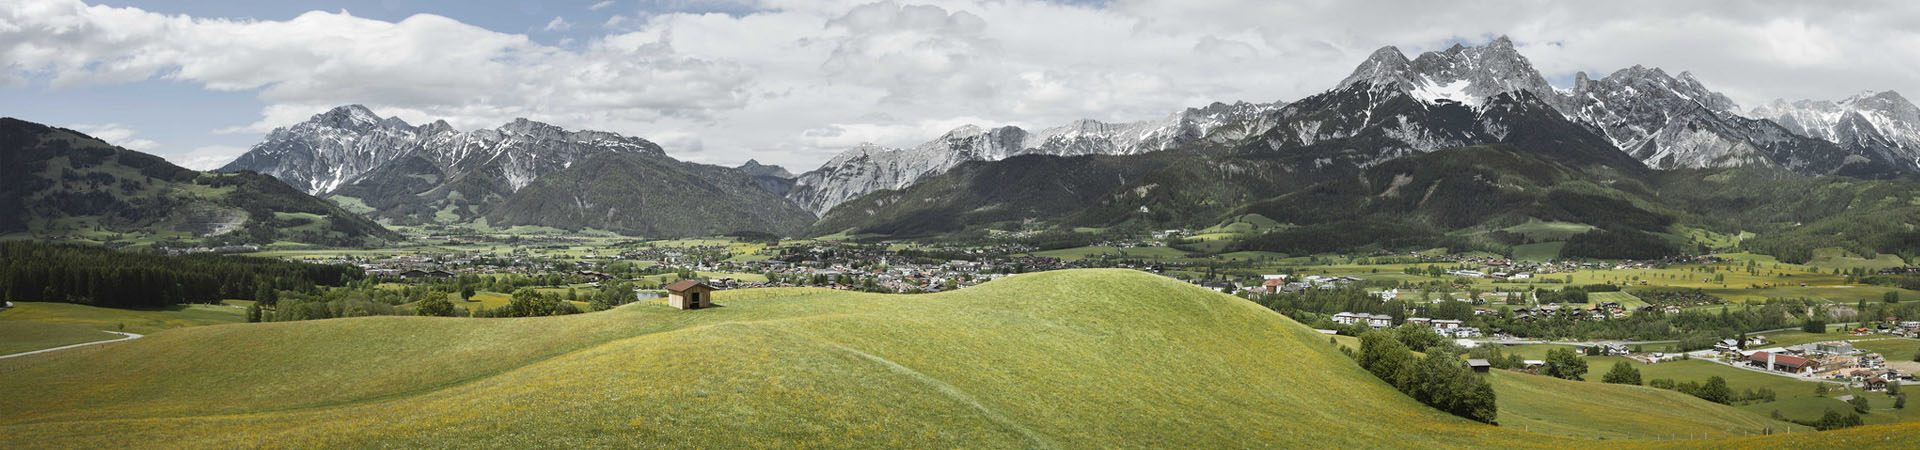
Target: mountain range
869	168
1359	161
521	173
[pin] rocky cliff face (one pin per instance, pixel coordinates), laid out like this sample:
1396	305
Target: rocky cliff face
342	145
437	174
330	149
1873	121
1665	121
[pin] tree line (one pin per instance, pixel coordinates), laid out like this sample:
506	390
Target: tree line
46	272
1440	379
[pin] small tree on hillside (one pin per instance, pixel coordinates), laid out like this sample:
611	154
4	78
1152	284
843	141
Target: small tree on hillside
1565	364
1716	391
1622	373
434	305
1834	420
1860	404
466	292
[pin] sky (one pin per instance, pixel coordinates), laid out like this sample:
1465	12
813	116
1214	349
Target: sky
794	82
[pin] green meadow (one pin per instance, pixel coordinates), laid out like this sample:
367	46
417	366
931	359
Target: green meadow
129	320
22	336
1067	359
1611	411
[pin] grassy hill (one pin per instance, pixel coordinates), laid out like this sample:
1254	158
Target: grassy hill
1086	358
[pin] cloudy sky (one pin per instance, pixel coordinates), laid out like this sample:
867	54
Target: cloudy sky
793	82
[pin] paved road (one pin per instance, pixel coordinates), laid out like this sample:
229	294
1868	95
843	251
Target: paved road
126	337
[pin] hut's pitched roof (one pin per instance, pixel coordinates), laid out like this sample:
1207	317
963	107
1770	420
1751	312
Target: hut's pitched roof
683	285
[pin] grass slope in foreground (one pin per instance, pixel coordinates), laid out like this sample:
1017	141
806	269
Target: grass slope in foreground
1085	358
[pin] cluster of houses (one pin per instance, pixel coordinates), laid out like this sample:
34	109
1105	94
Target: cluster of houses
830	265
1510	276
1275	284
176	251
420	266
1519	270
1599	311
1446	327
1836	360
1908	329
1371	320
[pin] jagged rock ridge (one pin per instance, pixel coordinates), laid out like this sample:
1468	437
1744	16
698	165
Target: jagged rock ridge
436	174
868	168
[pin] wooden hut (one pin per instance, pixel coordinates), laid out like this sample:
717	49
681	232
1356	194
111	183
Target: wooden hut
689	294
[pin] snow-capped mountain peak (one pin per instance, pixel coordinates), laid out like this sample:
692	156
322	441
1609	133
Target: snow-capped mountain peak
1882	121
1468	75
328	149
339	146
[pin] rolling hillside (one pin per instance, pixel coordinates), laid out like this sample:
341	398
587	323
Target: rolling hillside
1073	359
59	184
649	195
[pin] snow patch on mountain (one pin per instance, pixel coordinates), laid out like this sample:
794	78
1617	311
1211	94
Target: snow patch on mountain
1428	91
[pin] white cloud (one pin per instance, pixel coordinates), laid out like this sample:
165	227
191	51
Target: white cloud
115	134
557	24
598	6
208	157
793	81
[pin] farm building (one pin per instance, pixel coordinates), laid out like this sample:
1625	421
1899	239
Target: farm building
1480	365
689	294
1780	362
